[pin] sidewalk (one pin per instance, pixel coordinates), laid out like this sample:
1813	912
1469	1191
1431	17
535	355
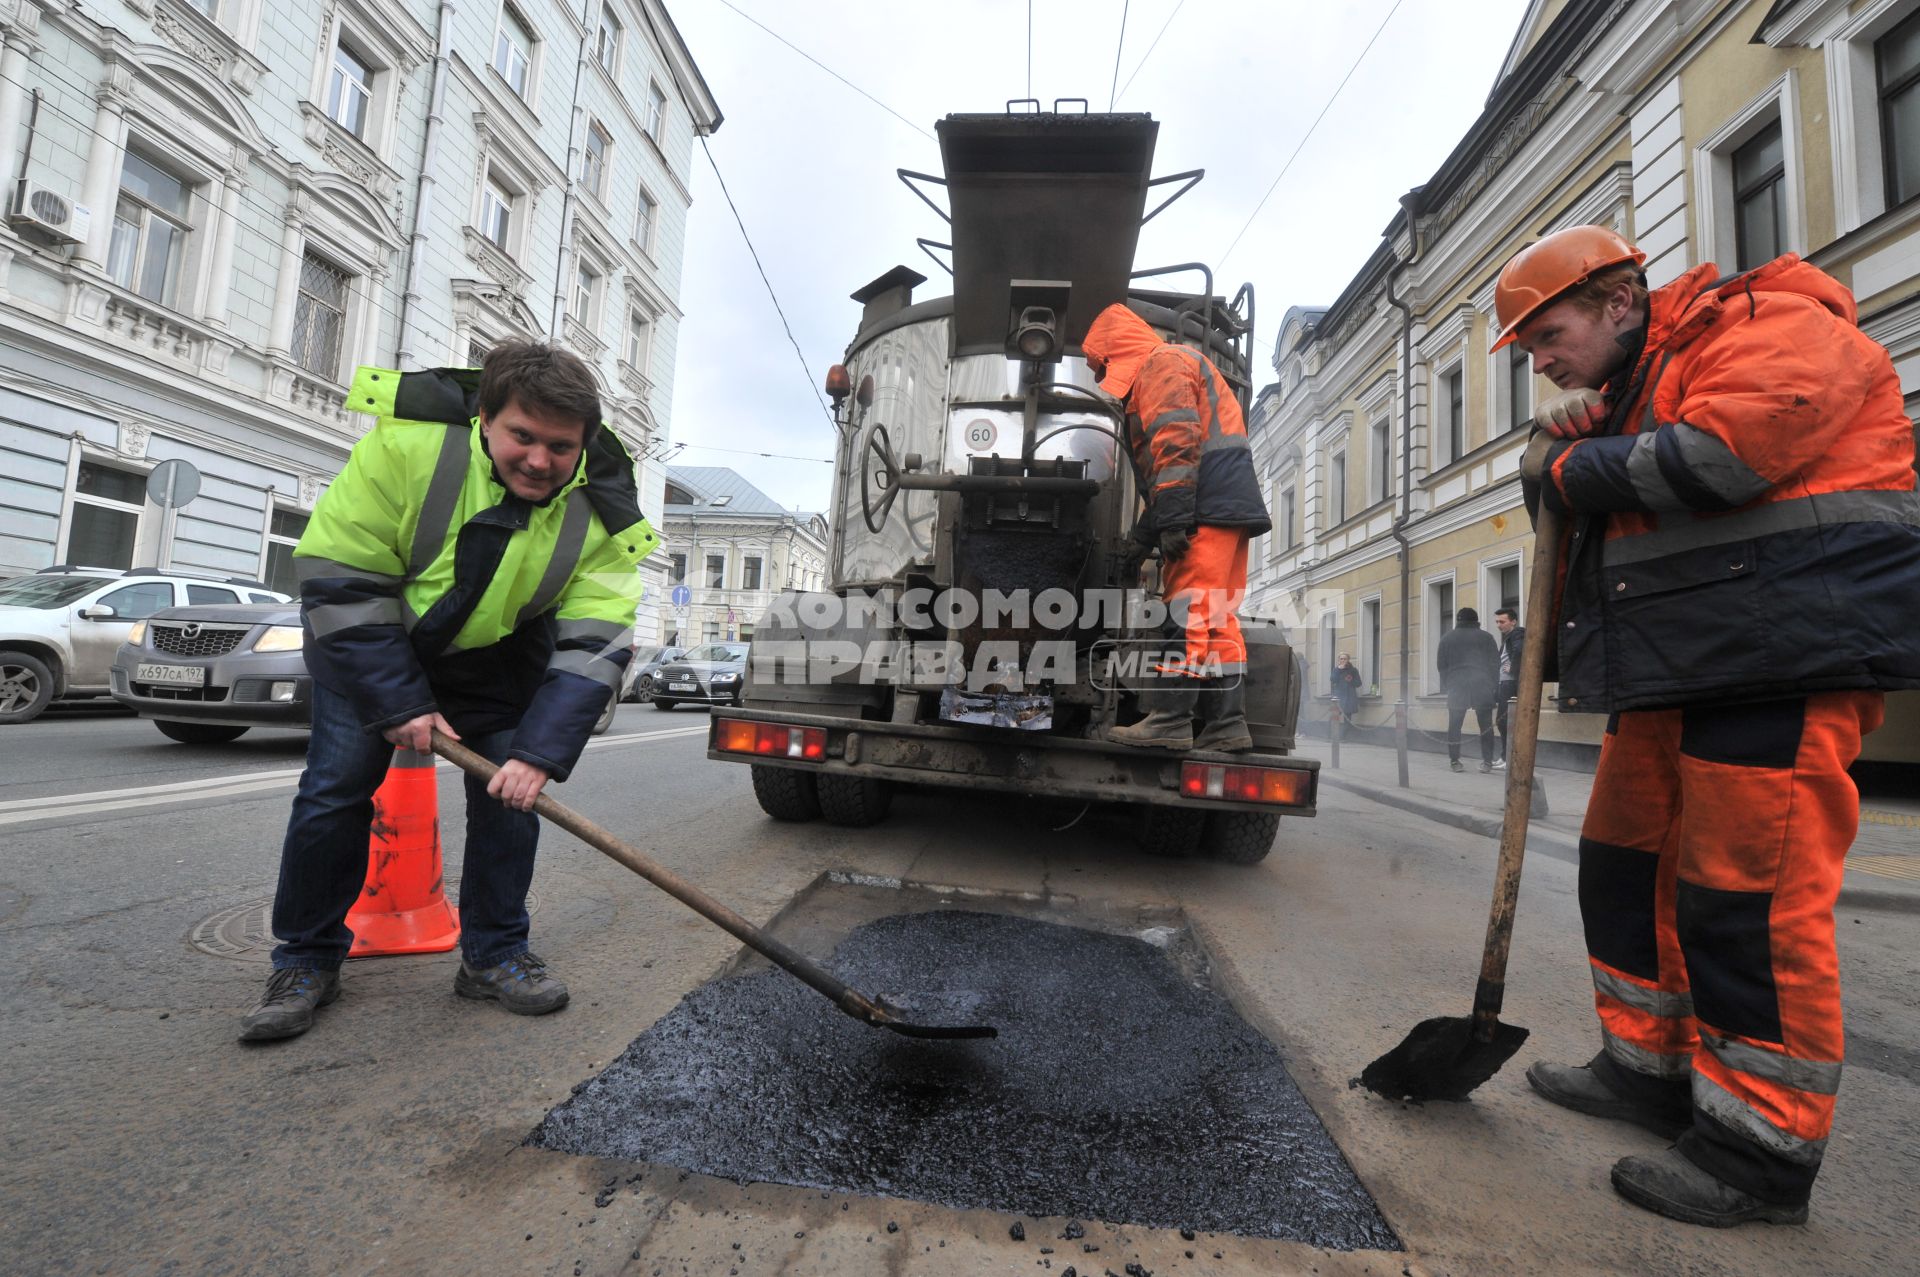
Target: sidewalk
1883	866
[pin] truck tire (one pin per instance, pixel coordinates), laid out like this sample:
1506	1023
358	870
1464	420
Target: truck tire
1173	832
785	793
854	801
199	733
26	687
1240	837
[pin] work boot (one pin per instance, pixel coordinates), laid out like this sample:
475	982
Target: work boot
519	983
1168	723
1666	1183
294	995
1582	1088
1223	710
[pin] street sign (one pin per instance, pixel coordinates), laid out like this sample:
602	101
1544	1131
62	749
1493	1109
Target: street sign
173	484
682	596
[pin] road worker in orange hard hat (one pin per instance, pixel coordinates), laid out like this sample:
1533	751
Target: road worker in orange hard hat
1736	591
1189	446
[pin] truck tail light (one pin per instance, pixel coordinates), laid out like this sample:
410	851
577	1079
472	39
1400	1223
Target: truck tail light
774	740
1285	786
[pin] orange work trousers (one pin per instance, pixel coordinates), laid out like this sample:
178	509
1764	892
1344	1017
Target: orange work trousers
1710	863
1203	589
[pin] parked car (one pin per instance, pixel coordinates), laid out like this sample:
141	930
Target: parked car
60	627
712	674
643	671
205	675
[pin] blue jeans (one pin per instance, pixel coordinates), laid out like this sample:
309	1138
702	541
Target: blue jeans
324	861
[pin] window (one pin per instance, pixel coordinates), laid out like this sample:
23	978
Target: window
639	352
1439	620
1759	195
643	222
1380	461
496	212
1289	501
750	572
150	229
1453	425
593	164
746	632
586	286
210	8
106	516
349	90
679	569
1519	388
477	348
320	316
197	593
513	50
716	571
606	40
283	533
138	602
1337	489
1897	66
656	110
1370	643
710	631
1506	585
1329	648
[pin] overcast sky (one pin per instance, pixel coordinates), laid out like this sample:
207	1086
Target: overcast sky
1235	85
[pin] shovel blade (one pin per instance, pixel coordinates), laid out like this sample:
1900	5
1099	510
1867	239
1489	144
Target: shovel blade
894	1008
1441	1060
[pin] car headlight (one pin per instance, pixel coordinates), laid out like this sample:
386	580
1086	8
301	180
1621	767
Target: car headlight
138	634
281	638
726	678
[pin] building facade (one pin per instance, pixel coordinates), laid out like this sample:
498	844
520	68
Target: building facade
732	548
218	208
1701	129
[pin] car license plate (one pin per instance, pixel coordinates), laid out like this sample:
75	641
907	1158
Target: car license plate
172	675
681	687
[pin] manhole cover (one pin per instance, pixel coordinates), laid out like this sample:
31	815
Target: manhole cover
245	931
1119	1089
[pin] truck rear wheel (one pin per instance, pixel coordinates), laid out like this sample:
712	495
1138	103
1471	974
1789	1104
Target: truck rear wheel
1173	832
855	801
1239	837
785	793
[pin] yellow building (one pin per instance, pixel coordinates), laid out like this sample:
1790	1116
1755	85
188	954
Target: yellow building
1390	442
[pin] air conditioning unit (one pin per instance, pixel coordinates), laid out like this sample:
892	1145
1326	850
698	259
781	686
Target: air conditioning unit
49	214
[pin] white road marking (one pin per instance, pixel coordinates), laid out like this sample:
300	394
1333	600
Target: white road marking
105	802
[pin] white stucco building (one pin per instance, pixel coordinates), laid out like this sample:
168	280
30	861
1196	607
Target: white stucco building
734	548
217	208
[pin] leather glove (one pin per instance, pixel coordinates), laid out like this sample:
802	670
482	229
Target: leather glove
1174	543
1572	413
1534	463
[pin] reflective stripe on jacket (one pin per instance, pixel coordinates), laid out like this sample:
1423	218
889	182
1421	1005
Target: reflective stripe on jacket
1184	428
417	552
1756	529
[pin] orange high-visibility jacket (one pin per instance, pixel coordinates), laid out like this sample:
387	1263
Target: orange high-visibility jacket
1756	529
1184	428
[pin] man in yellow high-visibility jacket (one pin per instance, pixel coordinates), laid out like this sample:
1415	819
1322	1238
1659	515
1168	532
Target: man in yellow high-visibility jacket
473	569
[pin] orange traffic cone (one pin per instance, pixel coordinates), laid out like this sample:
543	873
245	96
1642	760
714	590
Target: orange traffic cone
403	906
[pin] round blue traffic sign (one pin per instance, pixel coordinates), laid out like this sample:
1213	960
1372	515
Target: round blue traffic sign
682	596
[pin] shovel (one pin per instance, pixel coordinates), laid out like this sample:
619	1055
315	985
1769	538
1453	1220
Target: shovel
874	1011
1447	1057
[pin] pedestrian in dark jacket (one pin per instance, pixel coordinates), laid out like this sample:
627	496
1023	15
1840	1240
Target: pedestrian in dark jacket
1470	672
1346	686
1513	642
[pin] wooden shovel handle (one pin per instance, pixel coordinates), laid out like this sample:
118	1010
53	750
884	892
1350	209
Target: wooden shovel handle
1523	734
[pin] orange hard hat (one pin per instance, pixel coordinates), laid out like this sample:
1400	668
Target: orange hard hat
1542	271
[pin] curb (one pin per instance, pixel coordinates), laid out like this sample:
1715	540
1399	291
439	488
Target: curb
1558	845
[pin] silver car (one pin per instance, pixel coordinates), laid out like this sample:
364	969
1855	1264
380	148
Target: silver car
206	674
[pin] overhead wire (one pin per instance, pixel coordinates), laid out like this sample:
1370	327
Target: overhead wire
806	369
1112	89
1308	135
749	452
1149	53
843	79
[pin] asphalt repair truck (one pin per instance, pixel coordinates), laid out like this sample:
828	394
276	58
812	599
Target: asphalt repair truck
991	615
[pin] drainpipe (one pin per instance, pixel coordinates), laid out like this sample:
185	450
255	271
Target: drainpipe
576	139
424	190
1400	710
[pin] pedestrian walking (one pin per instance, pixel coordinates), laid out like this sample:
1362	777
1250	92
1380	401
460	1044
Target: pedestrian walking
1346	686
1512	638
1189	446
1469	661
460	575
1734	456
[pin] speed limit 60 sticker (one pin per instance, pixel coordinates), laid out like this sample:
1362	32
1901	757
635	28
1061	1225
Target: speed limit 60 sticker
981	435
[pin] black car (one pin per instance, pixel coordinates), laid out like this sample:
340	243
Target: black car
711	674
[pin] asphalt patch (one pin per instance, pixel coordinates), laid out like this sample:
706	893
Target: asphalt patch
1118	1089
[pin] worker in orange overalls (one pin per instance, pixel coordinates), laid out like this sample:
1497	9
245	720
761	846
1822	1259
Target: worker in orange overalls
1203	505
1738	592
